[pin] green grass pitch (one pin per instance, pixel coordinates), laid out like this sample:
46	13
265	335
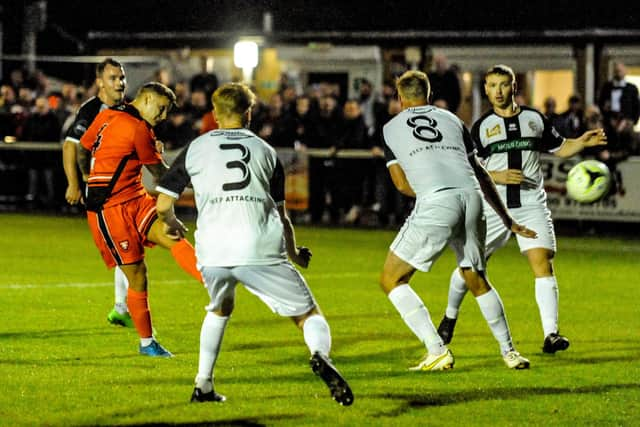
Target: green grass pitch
62	364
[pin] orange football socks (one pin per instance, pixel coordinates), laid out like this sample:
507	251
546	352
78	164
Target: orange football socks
185	255
139	309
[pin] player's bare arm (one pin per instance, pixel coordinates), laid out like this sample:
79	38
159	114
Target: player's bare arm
491	195
400	180
298	254
73	193
590	138
173	227
83	157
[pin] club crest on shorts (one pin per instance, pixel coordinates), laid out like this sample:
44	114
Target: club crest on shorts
124	245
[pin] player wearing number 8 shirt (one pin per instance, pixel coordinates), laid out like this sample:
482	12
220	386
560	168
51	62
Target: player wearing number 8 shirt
510	139
431	157
244	235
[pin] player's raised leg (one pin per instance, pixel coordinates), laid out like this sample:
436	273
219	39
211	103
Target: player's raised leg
317	336
181	249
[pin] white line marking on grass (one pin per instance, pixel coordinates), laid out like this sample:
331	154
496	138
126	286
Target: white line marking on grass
338	275
74	285
317	276
54	285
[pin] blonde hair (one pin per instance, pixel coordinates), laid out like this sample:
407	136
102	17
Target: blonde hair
232	99
414	85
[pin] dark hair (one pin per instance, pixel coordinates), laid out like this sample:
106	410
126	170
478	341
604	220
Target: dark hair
159	89
575	99
107	61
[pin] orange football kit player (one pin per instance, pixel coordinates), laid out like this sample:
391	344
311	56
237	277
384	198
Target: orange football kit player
121	215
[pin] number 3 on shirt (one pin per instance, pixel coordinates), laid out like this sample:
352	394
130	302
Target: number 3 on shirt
241	164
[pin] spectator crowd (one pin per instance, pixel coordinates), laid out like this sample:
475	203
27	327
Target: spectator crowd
341	190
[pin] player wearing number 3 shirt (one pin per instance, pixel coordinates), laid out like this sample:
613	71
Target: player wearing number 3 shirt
430	156
244	235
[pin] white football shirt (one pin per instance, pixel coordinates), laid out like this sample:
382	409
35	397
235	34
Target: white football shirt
432	146
515	143
237	181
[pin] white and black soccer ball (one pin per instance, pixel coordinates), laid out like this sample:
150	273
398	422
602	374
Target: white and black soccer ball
588	181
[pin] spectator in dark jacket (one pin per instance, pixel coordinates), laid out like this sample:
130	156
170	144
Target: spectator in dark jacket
42	125
354	174
445	84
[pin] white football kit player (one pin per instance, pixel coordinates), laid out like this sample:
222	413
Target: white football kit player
432	146
516	143
238	182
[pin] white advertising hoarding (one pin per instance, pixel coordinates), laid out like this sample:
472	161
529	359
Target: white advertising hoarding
623	206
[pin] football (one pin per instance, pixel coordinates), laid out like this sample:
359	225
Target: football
588	181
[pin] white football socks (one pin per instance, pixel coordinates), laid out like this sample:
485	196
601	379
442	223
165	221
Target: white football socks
457	291
547	299
211	334
120	284
416	316
317	334
493	311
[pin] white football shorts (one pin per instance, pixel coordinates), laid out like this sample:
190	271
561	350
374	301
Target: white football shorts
536	217
451	217
280	286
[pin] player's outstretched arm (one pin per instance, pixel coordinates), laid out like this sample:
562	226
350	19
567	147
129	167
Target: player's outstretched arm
491	195
523	231
298	254
173	227
590	138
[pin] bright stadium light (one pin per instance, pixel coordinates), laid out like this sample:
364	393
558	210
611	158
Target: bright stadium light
245	56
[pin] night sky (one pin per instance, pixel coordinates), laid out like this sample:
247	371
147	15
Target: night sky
69	21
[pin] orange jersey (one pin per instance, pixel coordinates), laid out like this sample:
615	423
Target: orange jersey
208	123
114	134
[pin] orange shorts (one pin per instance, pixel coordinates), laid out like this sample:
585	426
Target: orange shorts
120	231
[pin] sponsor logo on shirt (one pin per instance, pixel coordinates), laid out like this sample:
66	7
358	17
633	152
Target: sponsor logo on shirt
494	131
514	144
